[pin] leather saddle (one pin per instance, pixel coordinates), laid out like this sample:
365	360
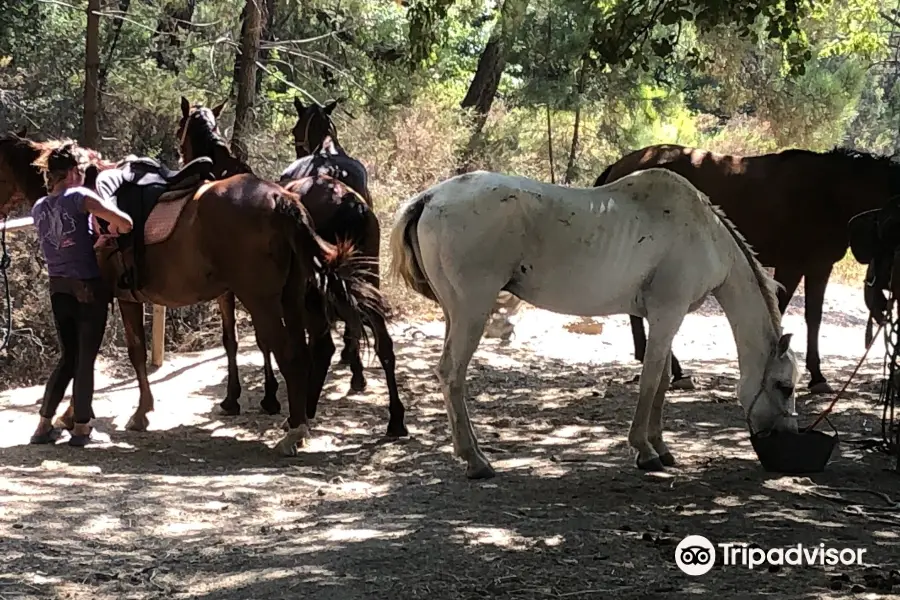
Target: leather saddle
136	188
146	171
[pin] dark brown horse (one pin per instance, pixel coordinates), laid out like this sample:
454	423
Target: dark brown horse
793	207
244	235
338	213
319	151
203	139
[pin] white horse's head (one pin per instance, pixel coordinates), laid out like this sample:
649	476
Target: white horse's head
773	405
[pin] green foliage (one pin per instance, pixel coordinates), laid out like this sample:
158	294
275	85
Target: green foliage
739	77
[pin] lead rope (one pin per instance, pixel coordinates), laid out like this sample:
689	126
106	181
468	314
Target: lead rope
5	262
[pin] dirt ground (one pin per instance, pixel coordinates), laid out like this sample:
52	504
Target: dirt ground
201	507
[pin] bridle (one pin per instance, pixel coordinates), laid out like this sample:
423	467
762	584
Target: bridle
330	130
762	388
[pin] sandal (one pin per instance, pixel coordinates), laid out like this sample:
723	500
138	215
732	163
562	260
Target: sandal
48	437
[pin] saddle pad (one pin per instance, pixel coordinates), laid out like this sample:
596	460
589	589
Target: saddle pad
163	217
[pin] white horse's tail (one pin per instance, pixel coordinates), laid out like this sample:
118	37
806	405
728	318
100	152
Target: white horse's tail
405	254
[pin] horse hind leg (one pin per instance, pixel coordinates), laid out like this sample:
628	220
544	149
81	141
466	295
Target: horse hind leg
465	326
654	377
384	348
136	342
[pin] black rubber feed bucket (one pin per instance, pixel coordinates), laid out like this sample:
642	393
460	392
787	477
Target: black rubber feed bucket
794	453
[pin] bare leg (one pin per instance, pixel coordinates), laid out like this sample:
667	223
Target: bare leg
230	405
656	366
816	282
136	342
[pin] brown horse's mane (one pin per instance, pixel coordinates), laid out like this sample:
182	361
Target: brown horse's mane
843	153
887	163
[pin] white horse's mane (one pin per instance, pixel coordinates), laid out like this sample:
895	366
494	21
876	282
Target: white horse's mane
767	284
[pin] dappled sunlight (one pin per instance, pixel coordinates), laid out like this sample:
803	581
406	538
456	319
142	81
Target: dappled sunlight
202	506
495	536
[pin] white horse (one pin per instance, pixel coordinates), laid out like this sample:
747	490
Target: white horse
649	244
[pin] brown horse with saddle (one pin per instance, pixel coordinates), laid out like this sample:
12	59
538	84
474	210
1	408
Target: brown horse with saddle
241	234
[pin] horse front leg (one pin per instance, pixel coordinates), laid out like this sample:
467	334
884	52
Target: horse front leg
815	283
351	349
654	376
656	418
270	404
136	342
230	405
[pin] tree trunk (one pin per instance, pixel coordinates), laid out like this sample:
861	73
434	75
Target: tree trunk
579	92
91	126
483	88
246	82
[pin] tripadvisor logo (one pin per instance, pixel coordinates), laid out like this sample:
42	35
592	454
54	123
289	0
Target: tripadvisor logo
696	555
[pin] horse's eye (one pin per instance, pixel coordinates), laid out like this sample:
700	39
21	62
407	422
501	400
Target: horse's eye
784	388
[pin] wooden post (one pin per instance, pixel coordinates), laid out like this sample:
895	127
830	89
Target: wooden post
157	353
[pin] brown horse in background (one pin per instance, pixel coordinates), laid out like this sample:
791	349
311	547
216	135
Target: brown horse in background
247	236
793	208
194	142
338	214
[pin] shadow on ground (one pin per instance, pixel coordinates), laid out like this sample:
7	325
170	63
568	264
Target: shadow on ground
201	507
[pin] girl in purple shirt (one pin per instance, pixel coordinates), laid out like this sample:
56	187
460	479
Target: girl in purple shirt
78	296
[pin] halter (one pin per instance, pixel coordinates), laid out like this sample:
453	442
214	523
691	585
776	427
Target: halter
329	131
762	387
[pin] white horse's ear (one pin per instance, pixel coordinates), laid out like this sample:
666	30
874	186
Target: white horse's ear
784	344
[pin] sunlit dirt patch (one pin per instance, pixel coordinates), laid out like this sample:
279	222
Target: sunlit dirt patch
201	506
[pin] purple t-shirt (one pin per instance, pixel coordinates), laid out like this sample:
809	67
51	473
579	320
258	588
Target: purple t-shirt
64	230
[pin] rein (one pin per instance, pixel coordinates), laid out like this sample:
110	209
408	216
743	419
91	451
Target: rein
828	410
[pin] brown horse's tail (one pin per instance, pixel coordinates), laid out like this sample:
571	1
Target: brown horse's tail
405	254
341	274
